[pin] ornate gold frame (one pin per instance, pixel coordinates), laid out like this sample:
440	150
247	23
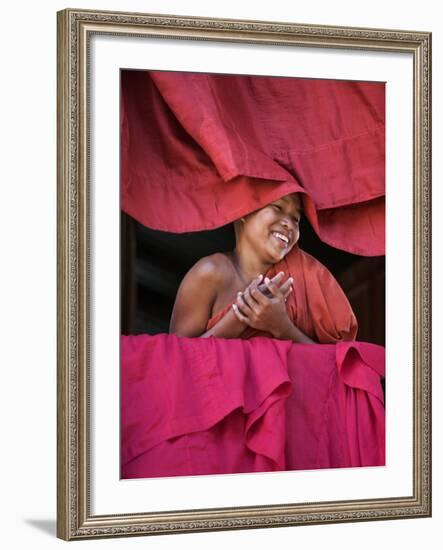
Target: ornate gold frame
75	28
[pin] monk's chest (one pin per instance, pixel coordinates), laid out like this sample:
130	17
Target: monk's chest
227	293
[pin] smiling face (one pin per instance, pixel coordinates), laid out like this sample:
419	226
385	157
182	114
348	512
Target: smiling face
274	230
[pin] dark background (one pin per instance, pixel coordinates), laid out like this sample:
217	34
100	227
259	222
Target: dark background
153	263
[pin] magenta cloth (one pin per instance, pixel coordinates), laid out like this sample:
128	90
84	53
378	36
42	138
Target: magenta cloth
212	148
192	406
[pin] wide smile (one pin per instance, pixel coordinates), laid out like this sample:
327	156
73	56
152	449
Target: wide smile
282	239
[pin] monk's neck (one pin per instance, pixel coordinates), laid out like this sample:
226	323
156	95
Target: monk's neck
248	266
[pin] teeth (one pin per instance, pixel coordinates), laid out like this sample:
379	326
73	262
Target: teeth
281	237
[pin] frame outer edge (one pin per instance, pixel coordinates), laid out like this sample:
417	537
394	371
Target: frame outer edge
427	277
62	279
83	279
422	290
72	491
429	143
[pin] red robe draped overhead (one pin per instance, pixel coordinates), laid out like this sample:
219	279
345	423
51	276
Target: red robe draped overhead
199	151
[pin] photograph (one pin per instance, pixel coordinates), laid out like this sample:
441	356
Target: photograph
252	288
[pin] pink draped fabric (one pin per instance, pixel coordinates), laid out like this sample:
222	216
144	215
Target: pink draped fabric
206	406
199	151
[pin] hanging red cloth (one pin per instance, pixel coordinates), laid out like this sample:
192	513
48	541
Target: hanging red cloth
199	151
195	406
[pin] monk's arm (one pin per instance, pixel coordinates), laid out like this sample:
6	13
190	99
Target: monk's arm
194	302
227	327
290	332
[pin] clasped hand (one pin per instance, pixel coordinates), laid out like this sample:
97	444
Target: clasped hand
262	304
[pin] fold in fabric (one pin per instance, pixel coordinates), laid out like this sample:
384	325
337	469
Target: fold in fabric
175	386
212	148
192	406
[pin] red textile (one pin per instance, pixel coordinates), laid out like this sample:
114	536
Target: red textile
199	151
203	406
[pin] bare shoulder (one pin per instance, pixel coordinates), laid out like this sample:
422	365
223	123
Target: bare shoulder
197	294
216	268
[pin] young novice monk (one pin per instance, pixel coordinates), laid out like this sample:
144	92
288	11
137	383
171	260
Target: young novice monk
266	286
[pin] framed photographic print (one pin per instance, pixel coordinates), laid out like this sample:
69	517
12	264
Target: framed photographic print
243	274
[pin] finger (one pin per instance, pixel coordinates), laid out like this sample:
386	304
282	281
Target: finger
239	314
258	281
286	294
248	297
264	290
274	290
277	279
260	296
285	288
255	282
242	305
278	276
